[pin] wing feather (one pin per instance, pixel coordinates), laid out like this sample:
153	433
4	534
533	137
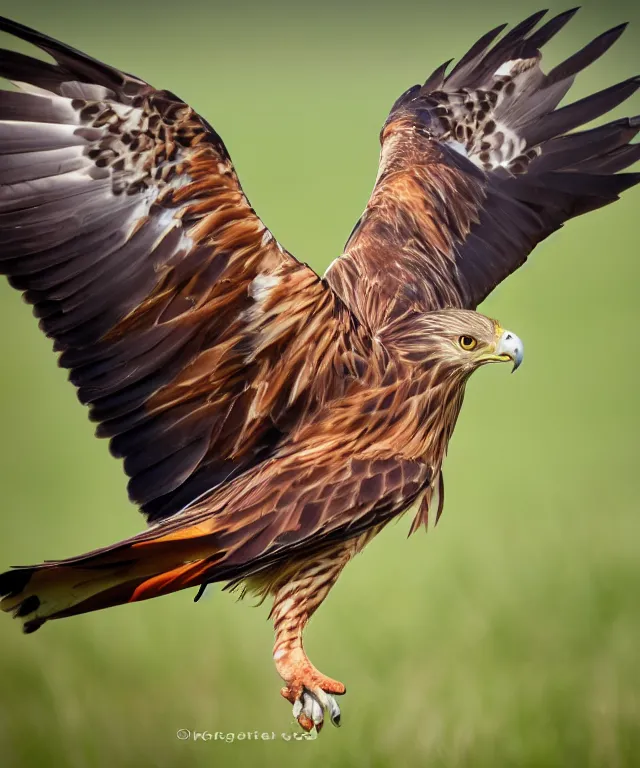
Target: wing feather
124	224
476	168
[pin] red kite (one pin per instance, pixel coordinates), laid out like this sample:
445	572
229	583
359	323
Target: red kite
272	422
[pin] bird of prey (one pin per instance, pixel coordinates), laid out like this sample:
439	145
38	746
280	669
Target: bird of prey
272	421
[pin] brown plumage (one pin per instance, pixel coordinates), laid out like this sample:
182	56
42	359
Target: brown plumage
272	422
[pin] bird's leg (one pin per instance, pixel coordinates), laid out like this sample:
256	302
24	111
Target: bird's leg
296	599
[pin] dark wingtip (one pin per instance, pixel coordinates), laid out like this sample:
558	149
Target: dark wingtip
567	15
437	76
14	581
86	65
497	30
22	31
538	15
611	35
587	55
525	26
619	29
549	30
31	604
627	180
33	625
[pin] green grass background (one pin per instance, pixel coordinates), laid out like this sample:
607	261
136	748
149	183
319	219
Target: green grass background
510	635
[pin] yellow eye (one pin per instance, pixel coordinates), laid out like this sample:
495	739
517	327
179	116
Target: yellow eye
467	342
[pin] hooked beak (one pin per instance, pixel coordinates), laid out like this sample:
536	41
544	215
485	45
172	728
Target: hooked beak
510	347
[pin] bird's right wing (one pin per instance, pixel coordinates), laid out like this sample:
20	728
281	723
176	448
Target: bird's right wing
187	329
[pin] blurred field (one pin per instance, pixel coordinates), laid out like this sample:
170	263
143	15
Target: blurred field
507	637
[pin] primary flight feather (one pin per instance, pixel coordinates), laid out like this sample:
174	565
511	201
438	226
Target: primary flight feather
271	422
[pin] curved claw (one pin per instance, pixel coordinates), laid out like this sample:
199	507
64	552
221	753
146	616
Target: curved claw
310	706
329	704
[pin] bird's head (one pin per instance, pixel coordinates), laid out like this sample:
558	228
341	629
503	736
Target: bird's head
456	340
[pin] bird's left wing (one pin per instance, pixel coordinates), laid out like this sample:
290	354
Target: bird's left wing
476	168
188	330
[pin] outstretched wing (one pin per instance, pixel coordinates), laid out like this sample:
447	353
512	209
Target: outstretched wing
193	337
476	168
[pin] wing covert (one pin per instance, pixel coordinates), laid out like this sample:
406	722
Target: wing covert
295	503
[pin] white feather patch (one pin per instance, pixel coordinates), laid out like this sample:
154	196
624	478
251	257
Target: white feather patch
505	70
260	286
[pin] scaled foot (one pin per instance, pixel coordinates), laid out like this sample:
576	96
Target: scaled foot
313	696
